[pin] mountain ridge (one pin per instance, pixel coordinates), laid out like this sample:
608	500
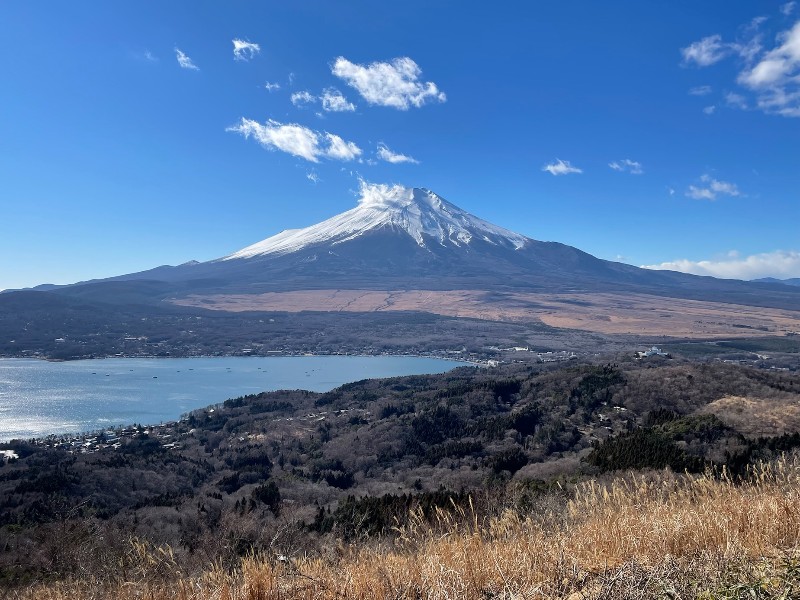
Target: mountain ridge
790	281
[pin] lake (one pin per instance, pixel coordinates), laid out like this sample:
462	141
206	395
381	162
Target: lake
39	398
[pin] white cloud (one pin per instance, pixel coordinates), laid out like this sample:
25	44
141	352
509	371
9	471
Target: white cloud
710	110
736	101
393	157
627	165
271	87
788	8
700	90
780	101
706	52
700	193
394	83
710	188
712	49
244	50
184	61
340	149
561	167
780	264
297	140
749	49
149	56
334	101
381	193
777	65
301	98
313	177
771	76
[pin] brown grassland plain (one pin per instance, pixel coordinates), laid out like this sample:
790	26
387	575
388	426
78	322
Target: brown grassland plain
607	313
652	535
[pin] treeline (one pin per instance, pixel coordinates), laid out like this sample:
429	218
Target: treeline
58	326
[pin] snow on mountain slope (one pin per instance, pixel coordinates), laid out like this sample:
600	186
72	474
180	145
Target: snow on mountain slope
421	214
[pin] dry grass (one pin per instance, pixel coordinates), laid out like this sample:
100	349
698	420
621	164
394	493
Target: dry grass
755	417
657	536
603	313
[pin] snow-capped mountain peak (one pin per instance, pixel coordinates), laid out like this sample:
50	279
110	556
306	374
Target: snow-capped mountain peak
428	218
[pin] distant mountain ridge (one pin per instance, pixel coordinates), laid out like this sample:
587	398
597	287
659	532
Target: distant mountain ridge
793	281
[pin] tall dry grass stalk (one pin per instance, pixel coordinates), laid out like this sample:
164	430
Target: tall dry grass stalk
638	537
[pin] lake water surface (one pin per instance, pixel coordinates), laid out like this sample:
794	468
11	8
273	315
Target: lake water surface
38	398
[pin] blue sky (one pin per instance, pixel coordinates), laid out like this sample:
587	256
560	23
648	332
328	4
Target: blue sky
147	133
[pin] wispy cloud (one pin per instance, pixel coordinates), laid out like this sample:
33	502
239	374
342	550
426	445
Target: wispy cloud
144	55
340	149
394	157
297	140
780	264
781	101
395	84
777	65
333	101
775	78
710	189
313	177
303	98
710	110
771	76
380	193
626	165
184	61
700	90
561	167
706	52
271	87
244	50
712	49
735	100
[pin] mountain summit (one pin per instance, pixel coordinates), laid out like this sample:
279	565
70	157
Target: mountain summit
427	218
402	238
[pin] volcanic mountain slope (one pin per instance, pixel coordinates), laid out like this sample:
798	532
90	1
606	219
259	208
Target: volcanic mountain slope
396	238
400	238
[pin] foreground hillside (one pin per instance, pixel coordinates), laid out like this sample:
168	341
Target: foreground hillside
646	536
395	485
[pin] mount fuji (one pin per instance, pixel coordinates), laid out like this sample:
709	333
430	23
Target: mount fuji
400	239
430	220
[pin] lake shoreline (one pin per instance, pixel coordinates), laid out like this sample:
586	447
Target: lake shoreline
467	362
42	398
